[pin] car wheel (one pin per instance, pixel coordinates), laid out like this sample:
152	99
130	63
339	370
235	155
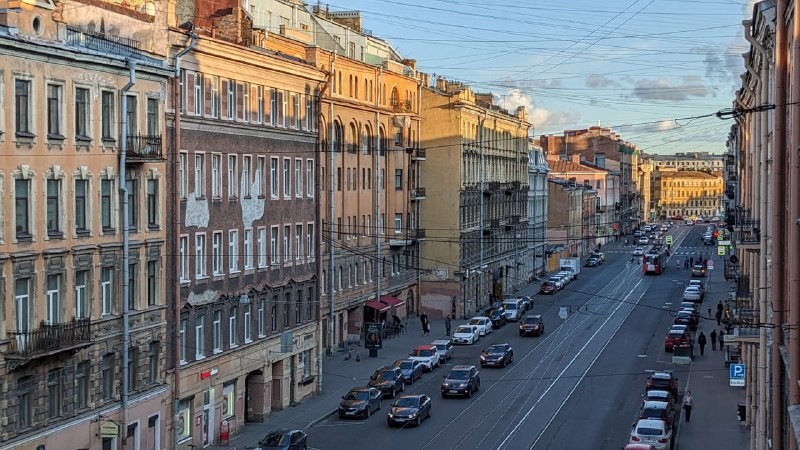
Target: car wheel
419	421
478	386
504	363
389	422
394	393
369	412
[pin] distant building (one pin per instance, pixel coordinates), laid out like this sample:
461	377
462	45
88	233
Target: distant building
689	194
536	240
703	161
565	212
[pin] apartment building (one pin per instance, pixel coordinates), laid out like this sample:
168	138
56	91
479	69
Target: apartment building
690	194
536	237
245	300
567	210
84	228
701	161
477	210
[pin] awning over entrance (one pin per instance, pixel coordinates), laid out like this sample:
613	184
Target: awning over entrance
376	305
392	301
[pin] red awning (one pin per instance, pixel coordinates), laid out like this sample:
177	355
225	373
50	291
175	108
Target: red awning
376	305
392	301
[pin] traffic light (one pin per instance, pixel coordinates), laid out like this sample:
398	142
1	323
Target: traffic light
715	234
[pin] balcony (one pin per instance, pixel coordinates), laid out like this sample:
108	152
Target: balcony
24	346
419	154
404	240
104	42
747	230
401	105
144	148
418	194
746	323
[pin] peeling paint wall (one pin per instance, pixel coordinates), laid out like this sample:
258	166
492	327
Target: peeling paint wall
252	208
196	214
199	298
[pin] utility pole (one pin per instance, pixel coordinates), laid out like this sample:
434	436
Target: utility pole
481	273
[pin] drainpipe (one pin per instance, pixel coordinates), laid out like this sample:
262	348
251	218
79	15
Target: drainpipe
779	226
331	212
322	87
176	201
793	175
418	219
123	192
378	235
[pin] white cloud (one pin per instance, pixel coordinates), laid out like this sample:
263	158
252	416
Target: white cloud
666	89
539	117
599	81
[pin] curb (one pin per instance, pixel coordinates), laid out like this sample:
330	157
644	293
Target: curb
320	419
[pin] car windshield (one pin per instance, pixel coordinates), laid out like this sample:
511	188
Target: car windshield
458	375
496	313
476	322
464	330
276	439
405	365
496	349
675	335
407	402
510	305
357	395
383	375
645	431
648	413
442	347
425	352
532	320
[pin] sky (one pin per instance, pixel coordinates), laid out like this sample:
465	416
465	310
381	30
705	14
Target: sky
654	71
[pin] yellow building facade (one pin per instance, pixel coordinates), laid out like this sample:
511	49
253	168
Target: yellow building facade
688	194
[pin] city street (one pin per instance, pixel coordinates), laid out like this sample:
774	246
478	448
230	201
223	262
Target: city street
581	382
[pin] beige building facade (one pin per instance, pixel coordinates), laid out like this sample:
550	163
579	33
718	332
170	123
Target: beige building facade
83	229
477	210
687	194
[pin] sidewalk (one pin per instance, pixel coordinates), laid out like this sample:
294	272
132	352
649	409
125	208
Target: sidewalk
714	423
338	377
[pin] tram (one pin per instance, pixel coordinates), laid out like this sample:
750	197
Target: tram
655	260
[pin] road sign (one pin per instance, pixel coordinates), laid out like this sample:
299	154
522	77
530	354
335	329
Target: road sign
721	250
668	239
737	374
710	264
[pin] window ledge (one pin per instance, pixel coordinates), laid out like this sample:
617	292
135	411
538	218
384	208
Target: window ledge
82	232
55	234
83	140
153	227
233	346
54	137
217	351
24	237
24	135
248	341
199	357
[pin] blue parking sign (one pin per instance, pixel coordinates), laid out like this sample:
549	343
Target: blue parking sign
737	375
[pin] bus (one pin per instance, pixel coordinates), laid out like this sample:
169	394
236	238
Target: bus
655	260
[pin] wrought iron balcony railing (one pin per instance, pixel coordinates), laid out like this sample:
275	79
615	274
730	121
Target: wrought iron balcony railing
145	147
49	339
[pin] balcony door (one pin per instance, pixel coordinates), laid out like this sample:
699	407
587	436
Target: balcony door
22	312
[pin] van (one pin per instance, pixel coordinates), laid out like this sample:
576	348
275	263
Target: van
513	309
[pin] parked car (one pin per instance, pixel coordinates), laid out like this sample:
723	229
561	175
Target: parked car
599	255
566	277
284	440
513	309
409	409
548	287
462	380
527	302
686	317
662	381
426	354
653	432
360	402
658	410
388	380
698	284
658	395
558	281
497	316
643	240
674	338
466	334
592	262
698	270
497	355
412	369
484	325
692	294
444	348
531	326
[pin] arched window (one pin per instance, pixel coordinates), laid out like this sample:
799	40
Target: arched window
338	140
382	142
351	86
352	139
366	141
371	92
356	85
395	98
339	82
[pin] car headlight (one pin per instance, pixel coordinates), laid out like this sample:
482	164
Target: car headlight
483	358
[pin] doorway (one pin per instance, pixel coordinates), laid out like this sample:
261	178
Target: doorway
208	417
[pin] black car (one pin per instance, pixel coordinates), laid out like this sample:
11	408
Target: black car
388	380
412	369
462	380
409	409
531	326
592	262
360	402
284	440
497	355
498	317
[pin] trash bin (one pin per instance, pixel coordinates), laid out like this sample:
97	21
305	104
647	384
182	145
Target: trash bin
741	412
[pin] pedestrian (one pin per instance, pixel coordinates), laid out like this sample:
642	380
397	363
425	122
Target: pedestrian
691	261
686	266
709	311
721	340
423	318
447	324
701	340
713	340
426	327
687	405
720	308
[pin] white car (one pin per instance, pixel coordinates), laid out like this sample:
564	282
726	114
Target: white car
692	294
643	240
651	432
484	324
698	284
466	334
638	251
565	276
558	282
427	355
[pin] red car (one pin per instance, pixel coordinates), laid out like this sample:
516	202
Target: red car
675	338
548	287
662	381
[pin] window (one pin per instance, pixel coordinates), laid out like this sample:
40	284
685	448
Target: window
81	295
286	303
152	283
273	176
130	114
310	177
82	385
273	244
22	102
398	179
183	177
231	97
54	207
260	319
82	113
262	247
216	332
272	111
216	176
200	255
197	87
274	313
152	204
248	248
287	233
247	323
233	341
310	304
398	223
228	400
199	345
259	106
108	118
232	176
309	240
107	373
287	186
246	162
133	368
153	361
216	253
22	208
55	391
184	255
233	251
199	170
81	209
182	340
281	118
25	386
258	184
212	90
107	290
53	313
54	111
132	186
298	178
298	242
295	119
106	205
309	122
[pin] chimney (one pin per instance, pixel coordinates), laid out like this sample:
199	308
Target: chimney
441	84
576	158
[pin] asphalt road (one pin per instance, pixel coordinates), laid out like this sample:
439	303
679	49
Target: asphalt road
578	386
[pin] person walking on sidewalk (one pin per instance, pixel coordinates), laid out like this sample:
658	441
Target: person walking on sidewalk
687	405
701	340
686	266
423	318
713	337
721	340
447	324
719	313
